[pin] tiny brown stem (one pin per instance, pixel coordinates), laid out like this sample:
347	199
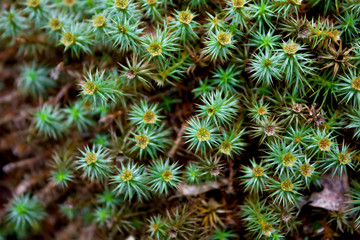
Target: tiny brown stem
181	132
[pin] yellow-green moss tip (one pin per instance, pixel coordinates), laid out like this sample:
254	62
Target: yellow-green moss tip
203	134
142	141
90	158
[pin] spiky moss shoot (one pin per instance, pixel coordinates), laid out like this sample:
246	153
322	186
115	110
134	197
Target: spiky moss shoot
90	158
291	47
145	114
89	88
324	144
142	141
306	170
288	159
69	3
167	175
131	181
99	21
356	83
33	3
185	17
150	117
267	229
49	121
126	175
258	171
284	157
223	38
232	142
203	134
95	163
238	3
262	111
163	176
24	212
154	49
218	108
68	39
344	158
226	147
151	2
55	24
287	185
121	4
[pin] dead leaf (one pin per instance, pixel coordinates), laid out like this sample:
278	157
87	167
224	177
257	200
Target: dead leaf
332	197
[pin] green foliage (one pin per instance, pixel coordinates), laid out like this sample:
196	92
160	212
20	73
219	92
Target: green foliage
227	79
339	159
231	142
265	68
109	199
285	191
283	157
77	39
145	114
262	11
36	11
77	115
161	47
11	22
219	45
218	108
63	168
131	181
200	134
322	142
101	215
223	234
99	89
136	74
24	212
157	227
255	177
193	174
211	167
95	163
355	201
153	10
264	41
124	9
349	88
237	12
296	66
163	176
259	219
184	25
124	34
150	140
142	88
49	121
35	79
